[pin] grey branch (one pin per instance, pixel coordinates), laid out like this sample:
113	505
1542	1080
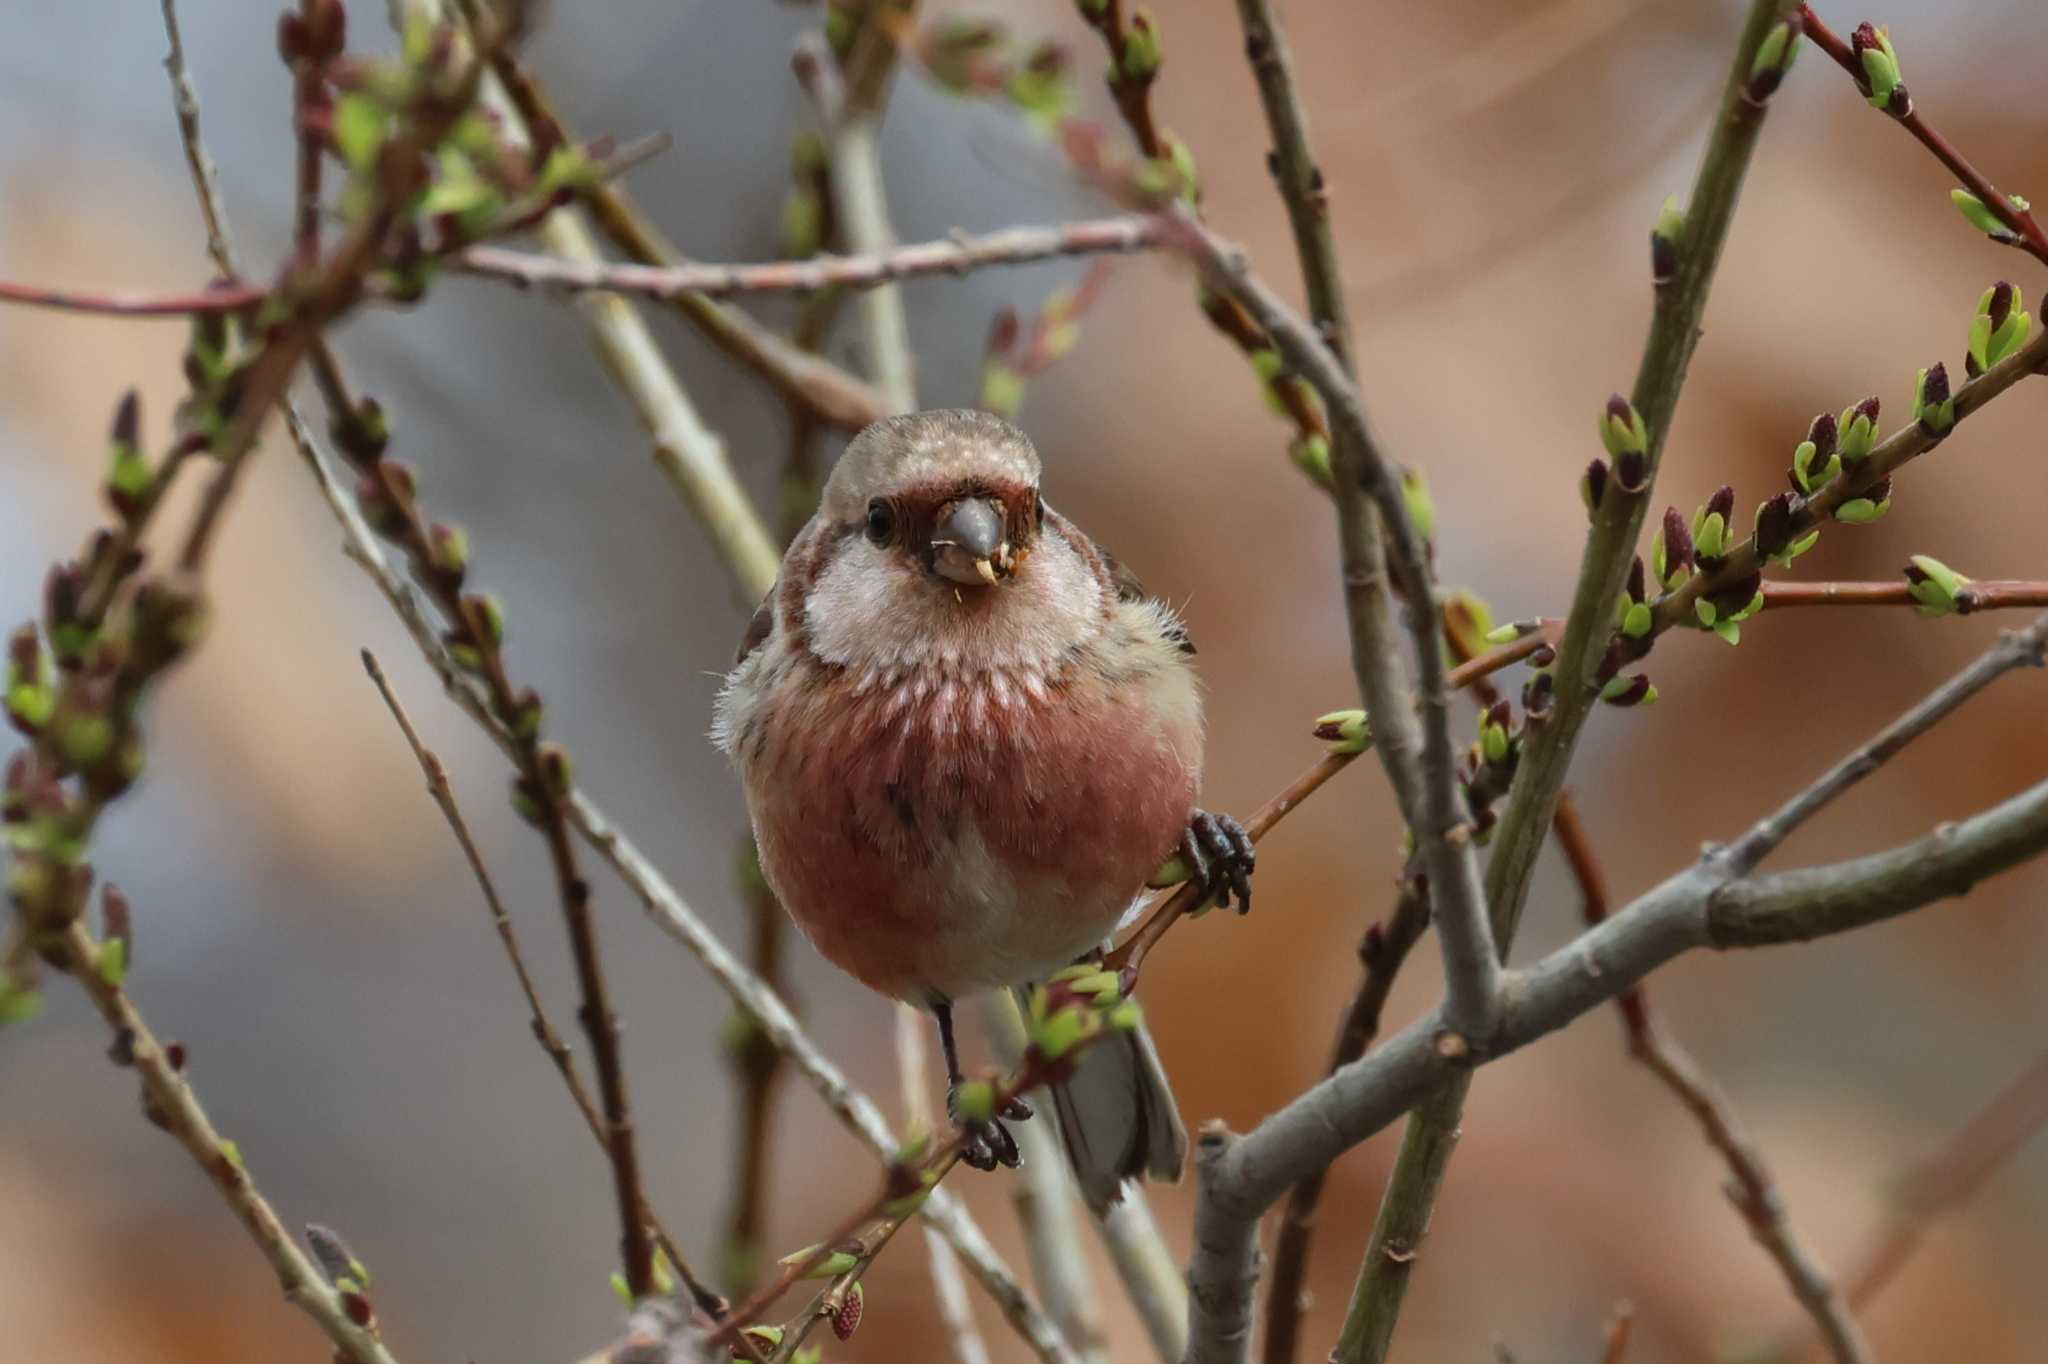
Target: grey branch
1426	784
1702	906
956	255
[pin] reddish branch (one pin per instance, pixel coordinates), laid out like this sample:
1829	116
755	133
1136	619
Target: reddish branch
2019	220
1990	594
222	298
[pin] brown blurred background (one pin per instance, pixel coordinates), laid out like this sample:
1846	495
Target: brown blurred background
307	928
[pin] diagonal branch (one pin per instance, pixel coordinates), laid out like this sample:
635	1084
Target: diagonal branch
438	787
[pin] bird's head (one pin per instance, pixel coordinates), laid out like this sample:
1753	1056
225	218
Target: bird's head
948	496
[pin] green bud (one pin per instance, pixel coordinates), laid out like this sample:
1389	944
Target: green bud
1775	53
1979	216
1421	507
1859	430
111	960
1311	455
18	1006
838	1262
1861	511
1933	406
233	1153
1125	1016
1621	428
1635	621
1141	47
360	125
1493	743
1346	731
1934	585
1506	634
1710	536
87	738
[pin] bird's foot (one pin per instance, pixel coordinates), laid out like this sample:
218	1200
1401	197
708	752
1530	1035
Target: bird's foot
988	1142
1220	855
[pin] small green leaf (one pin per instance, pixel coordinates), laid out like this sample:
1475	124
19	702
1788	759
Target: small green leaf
360	125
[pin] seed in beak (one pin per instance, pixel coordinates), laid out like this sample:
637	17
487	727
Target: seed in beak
986	570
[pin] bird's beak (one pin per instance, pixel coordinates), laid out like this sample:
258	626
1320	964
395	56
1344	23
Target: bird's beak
968	546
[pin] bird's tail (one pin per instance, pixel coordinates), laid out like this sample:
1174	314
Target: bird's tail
1117	1116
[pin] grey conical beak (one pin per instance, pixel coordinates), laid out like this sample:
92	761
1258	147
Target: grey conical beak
967	545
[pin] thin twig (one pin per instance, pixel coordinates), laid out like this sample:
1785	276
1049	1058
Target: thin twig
871	269
438	787
171	1102
859	193
1043	1193
220	243
1621	1323
1750	1188
949	1291
1988	594
2026	231
2014	649
227	298
1938	1185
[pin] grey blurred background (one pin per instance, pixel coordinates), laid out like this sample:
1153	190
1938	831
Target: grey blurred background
307	928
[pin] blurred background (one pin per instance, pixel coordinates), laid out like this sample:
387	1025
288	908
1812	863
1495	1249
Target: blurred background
306	926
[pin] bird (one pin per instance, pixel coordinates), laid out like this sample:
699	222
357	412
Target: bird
967	738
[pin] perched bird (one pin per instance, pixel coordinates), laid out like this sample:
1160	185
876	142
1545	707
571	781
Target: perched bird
968	739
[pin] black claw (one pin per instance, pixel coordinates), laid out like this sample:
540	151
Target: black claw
989	1144
1221	856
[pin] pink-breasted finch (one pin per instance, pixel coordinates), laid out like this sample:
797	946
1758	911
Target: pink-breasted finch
968	738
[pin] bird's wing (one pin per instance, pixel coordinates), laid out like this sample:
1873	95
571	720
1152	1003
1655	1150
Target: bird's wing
759	628
1128	588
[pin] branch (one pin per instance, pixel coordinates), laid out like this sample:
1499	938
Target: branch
225	298
1426	781
544	1032
1989	594
1939	1184
1150	1273
823	389
949	1292
1750	1187
205	174
1381	953
2027	233
1547	751
171	1104
1708	904
1043	1193
1886	458
958	255
2022	648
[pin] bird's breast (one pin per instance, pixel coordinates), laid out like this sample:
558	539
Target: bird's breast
946	830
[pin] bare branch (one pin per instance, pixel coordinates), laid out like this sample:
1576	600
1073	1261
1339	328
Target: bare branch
436	773
223	299
2015	649
1984	594
883	266
205	174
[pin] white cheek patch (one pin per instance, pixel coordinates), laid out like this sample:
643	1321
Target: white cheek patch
871	613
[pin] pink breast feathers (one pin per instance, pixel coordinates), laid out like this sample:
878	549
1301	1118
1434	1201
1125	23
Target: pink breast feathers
940	834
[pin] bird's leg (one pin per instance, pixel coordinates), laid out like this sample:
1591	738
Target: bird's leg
1220	856
988	1144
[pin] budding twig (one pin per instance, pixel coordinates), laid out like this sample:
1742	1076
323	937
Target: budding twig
1988	594
2027	233
224	298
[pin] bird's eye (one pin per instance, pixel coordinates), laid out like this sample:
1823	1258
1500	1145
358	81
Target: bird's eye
881	521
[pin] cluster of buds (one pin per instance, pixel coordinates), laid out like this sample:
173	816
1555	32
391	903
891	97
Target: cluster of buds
1421	506
1999	328
976	57
1671	552
1488	767
1777	530
1774	57
349	1275
1075	1007
217	364
1880	80
1858	431
664	1283
1724	609
1937	589
530	798
1634	618
1015	356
